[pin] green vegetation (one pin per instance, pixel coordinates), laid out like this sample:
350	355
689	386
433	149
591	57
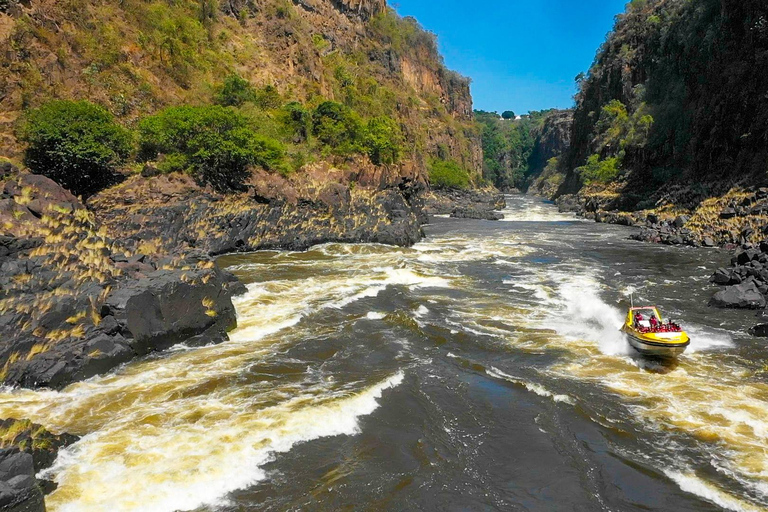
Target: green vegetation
75	143
338	128
676	93
448	174
597	170
508	146
508	114
235	91
383	140
214	142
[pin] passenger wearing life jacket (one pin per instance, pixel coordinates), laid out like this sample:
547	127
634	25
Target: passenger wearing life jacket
638	319
654	322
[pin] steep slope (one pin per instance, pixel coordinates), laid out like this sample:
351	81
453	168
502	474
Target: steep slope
676	95
136	56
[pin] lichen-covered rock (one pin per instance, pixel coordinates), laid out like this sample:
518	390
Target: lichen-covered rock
25	449
58	269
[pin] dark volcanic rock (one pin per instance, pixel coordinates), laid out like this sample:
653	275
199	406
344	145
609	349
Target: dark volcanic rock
759	330
319	205
19	491
75	303
446	202
25	449
745	296
475	213
162	309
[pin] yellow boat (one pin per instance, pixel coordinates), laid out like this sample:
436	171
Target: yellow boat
659	339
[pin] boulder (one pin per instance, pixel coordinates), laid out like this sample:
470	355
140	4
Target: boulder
759	330
476	213
680	221
743	296
169	306
728	213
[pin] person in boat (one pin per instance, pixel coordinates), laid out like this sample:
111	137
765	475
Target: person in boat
638	319
654	322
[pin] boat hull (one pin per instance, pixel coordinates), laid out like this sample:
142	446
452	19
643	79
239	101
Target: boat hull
657	349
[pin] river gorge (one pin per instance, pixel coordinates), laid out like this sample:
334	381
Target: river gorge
480	369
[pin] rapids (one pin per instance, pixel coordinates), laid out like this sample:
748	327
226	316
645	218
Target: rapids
481	369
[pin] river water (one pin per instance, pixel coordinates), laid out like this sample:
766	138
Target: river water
481	369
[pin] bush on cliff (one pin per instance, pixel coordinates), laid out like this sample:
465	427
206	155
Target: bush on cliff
297	120
338	128
75	143
597	170
235	91
448	174
216	144
383	140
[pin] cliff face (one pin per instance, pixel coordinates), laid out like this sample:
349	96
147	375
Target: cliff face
136	57
676	94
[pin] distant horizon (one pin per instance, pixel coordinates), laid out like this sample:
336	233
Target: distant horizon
524	66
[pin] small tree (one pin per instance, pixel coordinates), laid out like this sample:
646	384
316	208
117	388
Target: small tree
337	127
508	115
383	140
235	91
215	142
75	143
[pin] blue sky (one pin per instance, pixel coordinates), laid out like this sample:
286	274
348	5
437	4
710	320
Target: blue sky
522	55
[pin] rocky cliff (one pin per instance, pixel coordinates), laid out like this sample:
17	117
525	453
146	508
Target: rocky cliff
135	57
675	96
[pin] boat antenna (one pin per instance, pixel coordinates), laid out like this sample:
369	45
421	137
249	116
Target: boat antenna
631	299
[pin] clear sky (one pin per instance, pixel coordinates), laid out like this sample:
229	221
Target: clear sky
522	55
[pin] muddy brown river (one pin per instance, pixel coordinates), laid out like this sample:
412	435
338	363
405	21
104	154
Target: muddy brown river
481	369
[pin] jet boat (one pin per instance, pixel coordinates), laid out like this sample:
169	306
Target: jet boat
651	336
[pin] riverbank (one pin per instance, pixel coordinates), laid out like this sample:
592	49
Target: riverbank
89	287
485	348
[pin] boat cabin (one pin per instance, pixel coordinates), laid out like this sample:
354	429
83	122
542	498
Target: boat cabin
649	319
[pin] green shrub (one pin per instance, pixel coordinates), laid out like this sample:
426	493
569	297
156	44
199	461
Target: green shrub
337	127
297	121
448	174
599	171
235	91
268	98
383	140
75	143
216	142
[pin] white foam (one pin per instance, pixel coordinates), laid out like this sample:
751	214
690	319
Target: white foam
374	315
195	466
530	386
587	317
692	484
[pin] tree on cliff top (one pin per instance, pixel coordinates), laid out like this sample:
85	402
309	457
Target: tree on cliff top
75	143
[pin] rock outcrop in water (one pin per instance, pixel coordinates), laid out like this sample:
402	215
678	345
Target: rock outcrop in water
466	204
76	302
25	450
322	204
